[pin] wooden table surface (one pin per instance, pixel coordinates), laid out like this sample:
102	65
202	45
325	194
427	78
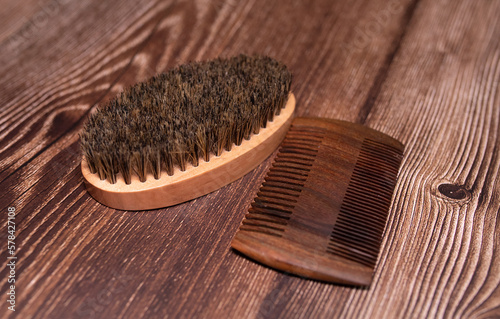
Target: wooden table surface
423	71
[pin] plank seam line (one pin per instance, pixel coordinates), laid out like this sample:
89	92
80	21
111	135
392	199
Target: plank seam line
383	72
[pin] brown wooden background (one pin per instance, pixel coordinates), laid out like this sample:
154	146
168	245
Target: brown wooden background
423	71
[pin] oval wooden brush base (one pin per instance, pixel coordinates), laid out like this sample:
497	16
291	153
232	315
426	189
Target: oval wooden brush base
194	181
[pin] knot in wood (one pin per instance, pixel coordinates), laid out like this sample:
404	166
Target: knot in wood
457	192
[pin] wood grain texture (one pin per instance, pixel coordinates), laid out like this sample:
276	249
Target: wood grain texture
423	71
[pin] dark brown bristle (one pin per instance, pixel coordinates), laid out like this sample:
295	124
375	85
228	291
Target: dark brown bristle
185	114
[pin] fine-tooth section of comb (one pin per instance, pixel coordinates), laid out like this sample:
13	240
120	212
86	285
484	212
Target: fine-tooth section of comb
321	210
353	237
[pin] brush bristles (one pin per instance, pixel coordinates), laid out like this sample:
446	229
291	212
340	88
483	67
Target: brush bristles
187	114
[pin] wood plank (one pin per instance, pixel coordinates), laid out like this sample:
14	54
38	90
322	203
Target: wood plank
440	258
424	72
43	99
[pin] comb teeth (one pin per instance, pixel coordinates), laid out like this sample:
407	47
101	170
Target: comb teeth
284	181
358	231
322	208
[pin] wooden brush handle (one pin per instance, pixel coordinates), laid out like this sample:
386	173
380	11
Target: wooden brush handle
194	181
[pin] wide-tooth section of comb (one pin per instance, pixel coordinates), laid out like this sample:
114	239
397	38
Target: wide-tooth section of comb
279	193
321	210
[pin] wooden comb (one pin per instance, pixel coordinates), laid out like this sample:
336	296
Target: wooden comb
322	208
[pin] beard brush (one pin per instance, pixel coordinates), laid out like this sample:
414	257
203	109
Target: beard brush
187	132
